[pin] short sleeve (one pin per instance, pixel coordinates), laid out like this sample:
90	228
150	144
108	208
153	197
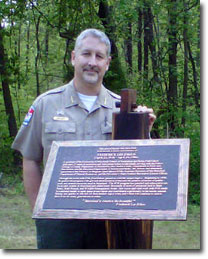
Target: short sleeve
28	139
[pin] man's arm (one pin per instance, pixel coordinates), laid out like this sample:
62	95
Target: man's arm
32	177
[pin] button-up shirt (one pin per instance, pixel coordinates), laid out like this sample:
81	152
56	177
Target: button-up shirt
59	115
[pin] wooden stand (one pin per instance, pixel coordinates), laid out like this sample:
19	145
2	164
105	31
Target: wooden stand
129	234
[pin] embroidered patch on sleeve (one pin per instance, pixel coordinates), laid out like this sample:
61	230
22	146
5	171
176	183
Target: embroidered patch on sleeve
29	115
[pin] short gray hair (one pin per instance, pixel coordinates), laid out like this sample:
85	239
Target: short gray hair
94	33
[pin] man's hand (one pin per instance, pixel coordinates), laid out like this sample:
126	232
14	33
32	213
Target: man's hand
152	116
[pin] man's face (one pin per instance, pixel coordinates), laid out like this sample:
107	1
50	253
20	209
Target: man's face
90	61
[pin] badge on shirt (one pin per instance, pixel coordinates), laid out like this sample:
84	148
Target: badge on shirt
29	115
60	118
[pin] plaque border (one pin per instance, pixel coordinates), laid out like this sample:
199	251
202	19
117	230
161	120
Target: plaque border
180	213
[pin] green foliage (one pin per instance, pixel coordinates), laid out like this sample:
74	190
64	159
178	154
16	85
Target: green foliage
115	79
6	155
193	132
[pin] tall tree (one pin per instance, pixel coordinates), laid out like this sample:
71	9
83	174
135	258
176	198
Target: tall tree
128	45
146	49
172	64
185	81
27	50
152	45
139	44
38	53
105	15
4	72
117	79
196	90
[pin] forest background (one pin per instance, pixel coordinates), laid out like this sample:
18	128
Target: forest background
155	50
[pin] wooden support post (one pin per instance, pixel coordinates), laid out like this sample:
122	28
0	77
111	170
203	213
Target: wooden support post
129	234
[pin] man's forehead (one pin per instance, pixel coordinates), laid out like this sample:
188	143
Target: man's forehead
93	43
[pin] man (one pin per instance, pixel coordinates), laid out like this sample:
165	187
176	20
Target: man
79	110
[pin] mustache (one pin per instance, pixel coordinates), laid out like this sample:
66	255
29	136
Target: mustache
91	68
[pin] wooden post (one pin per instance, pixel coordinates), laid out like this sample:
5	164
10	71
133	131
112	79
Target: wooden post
129	234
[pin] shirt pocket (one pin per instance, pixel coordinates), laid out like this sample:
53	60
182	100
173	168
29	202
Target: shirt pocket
60	130
106	129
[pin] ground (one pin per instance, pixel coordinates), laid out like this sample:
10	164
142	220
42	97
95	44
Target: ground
17	228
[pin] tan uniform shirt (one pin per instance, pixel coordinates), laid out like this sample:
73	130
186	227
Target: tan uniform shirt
60	115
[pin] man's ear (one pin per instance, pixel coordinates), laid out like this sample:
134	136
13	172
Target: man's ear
109	60
72	57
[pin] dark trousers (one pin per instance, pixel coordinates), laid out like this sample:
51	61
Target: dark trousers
71	234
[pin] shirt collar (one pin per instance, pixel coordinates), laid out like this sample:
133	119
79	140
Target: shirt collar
72	99
71	96
104	98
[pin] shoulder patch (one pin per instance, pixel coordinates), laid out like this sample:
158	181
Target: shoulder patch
29	115
116	96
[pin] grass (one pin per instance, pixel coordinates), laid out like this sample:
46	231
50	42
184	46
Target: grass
178	234
17	229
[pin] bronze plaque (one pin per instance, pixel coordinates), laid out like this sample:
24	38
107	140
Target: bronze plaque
115	179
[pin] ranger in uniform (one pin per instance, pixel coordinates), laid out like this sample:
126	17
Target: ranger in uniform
59	115
79	110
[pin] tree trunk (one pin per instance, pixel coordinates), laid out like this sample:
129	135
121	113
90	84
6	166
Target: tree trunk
46	44
139	44
18	54
46	54
151	44
113	81
12	126
105	16
146	53
185	80
198	37
128	45
27	51
37	55
196	90
172	63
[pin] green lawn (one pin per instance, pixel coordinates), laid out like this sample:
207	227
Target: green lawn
17	229
178	234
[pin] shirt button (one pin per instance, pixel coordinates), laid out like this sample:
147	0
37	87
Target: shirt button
59	131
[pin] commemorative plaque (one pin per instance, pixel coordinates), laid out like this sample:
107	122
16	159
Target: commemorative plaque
115	179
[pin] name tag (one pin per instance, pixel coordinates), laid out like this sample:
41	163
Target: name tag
60	118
